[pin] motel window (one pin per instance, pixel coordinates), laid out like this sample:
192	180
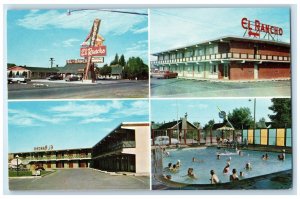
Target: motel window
213	69
196	53
210	50
166	57
215	49
173	56
187	54
160	57
179	55
201	52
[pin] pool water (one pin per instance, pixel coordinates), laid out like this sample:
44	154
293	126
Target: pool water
206	160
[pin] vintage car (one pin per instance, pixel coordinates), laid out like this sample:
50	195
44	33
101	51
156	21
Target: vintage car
18	79
164	74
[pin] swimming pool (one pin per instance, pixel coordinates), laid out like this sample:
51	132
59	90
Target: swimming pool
206	160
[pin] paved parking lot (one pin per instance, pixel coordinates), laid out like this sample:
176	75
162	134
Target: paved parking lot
196	88
37	89
80	180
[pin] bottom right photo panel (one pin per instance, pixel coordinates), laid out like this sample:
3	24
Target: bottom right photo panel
221	144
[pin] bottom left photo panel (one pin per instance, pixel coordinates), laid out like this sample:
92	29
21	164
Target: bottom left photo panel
78	145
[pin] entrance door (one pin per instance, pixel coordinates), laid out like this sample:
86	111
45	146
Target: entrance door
49	165
70	164
225	69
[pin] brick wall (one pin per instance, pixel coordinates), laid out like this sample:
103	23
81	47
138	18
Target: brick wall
239	71
274	70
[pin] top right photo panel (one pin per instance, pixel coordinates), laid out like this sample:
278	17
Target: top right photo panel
220	52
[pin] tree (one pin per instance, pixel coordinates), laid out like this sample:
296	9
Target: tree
209	125
282	117
10	65
105	70
135	68
115	61
241	118
122	61
17	73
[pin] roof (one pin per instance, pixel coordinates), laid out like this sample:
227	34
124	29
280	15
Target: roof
223	125
51	150
224	39
41	69
172	124
72	68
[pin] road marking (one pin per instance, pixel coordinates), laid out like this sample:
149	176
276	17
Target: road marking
138	180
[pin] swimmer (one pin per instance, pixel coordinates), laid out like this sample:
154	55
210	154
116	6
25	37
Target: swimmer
196	160
234	176
167	153
226	168
170	165
178	164
218	156
263	157
167	177
248	166
190	173
267	156
213	177
240	153
242	174
174	168
228	160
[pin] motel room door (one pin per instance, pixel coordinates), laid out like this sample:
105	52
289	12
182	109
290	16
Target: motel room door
225	71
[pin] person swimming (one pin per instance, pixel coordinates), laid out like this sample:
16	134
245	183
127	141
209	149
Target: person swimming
267	156
213	177
218	156
234	176
178	164
263	157
248	166
226	168
174	168
190	173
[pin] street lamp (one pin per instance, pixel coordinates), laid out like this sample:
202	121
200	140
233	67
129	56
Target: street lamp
254	112
17	156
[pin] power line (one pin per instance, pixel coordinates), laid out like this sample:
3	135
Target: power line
107	10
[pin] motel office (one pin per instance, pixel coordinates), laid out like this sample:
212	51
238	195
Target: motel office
125	149
228	58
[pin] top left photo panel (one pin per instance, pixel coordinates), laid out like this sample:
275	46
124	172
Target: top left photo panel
77	54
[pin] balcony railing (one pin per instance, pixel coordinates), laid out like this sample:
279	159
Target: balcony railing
48	158
226	56
113	147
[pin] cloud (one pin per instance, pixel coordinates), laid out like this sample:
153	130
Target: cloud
25	118
95	120
140	107
69	42
141	30
139	49
73	109
111	23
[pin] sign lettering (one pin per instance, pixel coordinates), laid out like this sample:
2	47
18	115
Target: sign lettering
93	51
255	28
43	148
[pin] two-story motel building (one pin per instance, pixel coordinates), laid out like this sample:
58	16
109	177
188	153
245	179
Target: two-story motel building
125	149
228	58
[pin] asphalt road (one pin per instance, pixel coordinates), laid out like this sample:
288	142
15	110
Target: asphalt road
80	180
52	90
195	88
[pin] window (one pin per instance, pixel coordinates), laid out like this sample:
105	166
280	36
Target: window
215	49
213	69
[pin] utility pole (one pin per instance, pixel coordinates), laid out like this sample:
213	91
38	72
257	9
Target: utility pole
51	61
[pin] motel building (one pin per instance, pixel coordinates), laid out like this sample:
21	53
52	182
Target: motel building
228	58
48	158
125	149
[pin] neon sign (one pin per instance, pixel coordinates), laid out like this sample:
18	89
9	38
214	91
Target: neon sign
256	29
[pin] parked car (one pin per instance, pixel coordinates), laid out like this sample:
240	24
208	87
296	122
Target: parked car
18	79
164	140
72	78
55	77
164	74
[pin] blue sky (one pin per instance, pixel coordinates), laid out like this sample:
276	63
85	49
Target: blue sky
68	124
33	36
203	110
171	28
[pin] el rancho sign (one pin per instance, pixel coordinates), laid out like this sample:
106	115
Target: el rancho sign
93	51
256	28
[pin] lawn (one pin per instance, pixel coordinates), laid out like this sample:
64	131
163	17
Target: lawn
26	173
